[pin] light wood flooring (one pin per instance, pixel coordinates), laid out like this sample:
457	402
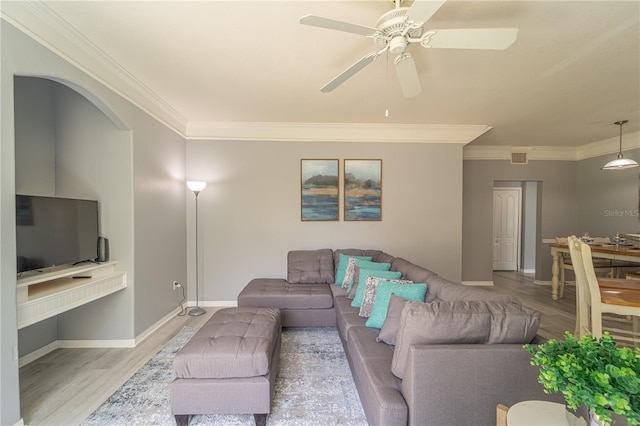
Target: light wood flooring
558	316
65	386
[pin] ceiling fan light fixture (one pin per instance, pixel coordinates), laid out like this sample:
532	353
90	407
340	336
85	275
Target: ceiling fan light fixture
620	163
397	45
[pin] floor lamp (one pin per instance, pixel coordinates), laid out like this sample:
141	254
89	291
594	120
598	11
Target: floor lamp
196	187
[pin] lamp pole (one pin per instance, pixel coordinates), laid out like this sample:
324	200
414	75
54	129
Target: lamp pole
196	187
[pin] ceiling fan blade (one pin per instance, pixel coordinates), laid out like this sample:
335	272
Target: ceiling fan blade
471	38
423	10
407	75
332	24
346	74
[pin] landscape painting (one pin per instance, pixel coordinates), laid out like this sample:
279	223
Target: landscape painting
363	190
320	189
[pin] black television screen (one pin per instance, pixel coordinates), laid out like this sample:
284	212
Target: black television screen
53	231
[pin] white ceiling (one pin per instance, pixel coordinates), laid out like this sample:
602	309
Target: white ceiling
572	72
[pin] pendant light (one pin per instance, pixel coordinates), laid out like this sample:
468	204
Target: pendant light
620	162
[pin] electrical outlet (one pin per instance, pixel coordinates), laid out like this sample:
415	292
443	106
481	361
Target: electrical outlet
175	285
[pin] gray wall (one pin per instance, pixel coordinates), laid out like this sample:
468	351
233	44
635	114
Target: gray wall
530	232
572	197
73	154
140	174
608	199
250	212
558	209
93	160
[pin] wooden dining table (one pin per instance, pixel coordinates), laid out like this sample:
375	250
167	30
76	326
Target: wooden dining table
624	252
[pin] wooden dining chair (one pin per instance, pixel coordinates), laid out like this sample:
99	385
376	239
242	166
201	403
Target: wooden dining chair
501	415
594	299
601	265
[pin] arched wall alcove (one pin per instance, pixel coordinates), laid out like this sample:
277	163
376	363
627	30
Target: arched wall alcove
98	102
70	143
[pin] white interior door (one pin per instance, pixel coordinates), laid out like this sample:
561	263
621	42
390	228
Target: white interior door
506	228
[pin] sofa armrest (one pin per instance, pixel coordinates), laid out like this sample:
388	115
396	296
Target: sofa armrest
462	384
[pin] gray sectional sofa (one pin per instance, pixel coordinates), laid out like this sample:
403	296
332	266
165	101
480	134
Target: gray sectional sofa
446	364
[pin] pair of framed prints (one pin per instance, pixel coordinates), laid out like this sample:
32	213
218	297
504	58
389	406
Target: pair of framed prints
320	190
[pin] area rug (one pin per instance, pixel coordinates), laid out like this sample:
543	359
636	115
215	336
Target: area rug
314	386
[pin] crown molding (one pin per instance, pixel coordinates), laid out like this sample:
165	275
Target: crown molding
43	25
336	132
533	153
554	153
609	146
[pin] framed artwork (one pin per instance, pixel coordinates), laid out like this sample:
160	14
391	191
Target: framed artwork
363	190
320	191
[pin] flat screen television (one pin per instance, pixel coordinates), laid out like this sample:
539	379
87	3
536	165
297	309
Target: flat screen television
52	231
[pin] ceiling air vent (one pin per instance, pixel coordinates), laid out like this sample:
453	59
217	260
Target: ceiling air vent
519	158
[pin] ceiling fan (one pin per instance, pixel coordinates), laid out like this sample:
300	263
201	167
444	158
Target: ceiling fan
401	27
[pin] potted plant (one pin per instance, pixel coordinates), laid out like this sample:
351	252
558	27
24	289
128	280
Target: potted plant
594	372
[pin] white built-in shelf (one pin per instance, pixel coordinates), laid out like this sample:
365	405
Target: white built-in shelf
46	294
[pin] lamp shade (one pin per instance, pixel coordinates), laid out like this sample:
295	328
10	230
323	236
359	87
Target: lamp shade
620	163
196	186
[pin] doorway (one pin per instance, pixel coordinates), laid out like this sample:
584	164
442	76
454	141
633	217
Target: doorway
516	224
507	203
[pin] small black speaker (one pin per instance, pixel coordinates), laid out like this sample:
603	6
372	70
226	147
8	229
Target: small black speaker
103	250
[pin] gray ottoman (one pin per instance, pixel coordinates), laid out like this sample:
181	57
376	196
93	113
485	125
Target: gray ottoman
229	366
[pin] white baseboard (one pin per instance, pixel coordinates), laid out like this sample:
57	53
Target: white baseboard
118	343
528	271
149	331
38	353
20	422
115	343
74	344
478	283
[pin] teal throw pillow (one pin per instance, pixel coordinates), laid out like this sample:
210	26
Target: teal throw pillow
362	282
411	292
362	264
343	262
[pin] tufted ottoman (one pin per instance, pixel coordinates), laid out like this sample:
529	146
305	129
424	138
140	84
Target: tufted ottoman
229	366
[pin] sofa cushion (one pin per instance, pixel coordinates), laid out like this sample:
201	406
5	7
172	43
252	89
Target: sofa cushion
337	291
391	325
235	342
370	291
354	266
411	271
353	272
356	279
362	280
379	390
347	317
278	293
374	254
342	266
385	289
443	289
384	258
462	322
310	266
